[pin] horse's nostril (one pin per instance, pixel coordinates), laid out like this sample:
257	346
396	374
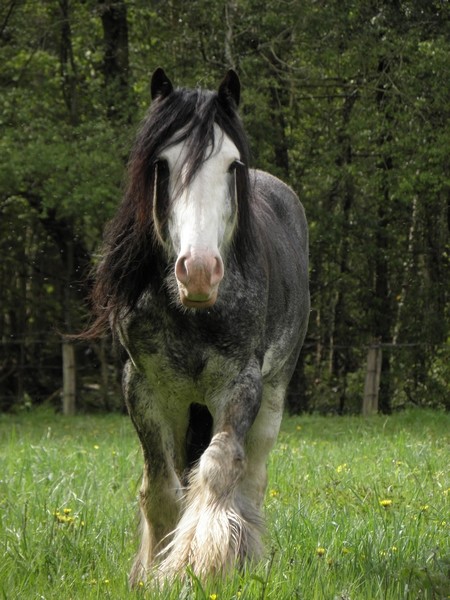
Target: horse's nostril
217	273
181	270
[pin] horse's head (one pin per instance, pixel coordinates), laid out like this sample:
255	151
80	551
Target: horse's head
187	203
195	212
201	219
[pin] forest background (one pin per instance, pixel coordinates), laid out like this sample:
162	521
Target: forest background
346	100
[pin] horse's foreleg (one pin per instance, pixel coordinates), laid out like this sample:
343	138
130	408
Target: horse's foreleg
219	528
160	501
160	493
260	441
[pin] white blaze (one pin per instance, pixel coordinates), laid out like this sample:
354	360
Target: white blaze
202	218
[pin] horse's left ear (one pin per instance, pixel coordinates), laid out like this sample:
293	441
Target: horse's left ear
230	88
160	84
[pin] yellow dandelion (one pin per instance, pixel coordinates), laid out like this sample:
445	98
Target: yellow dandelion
341	468
96	446
386	503
141	584
320	551
274	493
106	581
213	597
67	511
394	549
65	517
424	507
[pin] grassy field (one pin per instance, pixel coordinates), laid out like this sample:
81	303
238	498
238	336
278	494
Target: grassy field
356	509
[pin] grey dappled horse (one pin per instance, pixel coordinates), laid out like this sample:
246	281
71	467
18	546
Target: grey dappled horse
204	278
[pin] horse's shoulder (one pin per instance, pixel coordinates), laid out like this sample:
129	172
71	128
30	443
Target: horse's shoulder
279	196
270	184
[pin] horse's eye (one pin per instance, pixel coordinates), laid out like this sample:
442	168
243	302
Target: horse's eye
162	166
234	165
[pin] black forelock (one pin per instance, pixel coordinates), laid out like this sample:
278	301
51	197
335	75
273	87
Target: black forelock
189	116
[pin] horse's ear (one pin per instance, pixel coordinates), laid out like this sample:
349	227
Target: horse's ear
230	88
160	84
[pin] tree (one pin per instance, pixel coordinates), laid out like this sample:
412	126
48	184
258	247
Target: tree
58	203
345	101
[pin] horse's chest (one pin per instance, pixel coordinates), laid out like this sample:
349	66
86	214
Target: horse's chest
194	378
180	365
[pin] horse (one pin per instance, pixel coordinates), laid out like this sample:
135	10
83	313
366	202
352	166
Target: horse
203	278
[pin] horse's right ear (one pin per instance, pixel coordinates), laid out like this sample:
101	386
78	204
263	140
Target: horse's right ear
160	86
230	88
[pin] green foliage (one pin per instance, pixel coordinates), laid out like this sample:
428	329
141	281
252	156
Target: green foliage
355	508
347	102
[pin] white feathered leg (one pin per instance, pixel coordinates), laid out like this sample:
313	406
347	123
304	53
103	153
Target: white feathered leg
217	530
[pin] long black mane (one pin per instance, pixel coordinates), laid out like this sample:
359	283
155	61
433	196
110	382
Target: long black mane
132	256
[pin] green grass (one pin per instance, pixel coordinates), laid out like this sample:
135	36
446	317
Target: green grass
356	509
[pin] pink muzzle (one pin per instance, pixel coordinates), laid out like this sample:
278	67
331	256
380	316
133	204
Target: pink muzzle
199	274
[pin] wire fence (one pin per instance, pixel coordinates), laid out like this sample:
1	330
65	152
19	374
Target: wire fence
18	375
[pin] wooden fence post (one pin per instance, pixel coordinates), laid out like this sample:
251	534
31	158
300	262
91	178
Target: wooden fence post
69	378
372	382
68	348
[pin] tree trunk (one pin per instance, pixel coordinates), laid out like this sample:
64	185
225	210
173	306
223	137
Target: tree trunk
115	60
382	308
344	188
382	305
408	272
67	65
230	12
